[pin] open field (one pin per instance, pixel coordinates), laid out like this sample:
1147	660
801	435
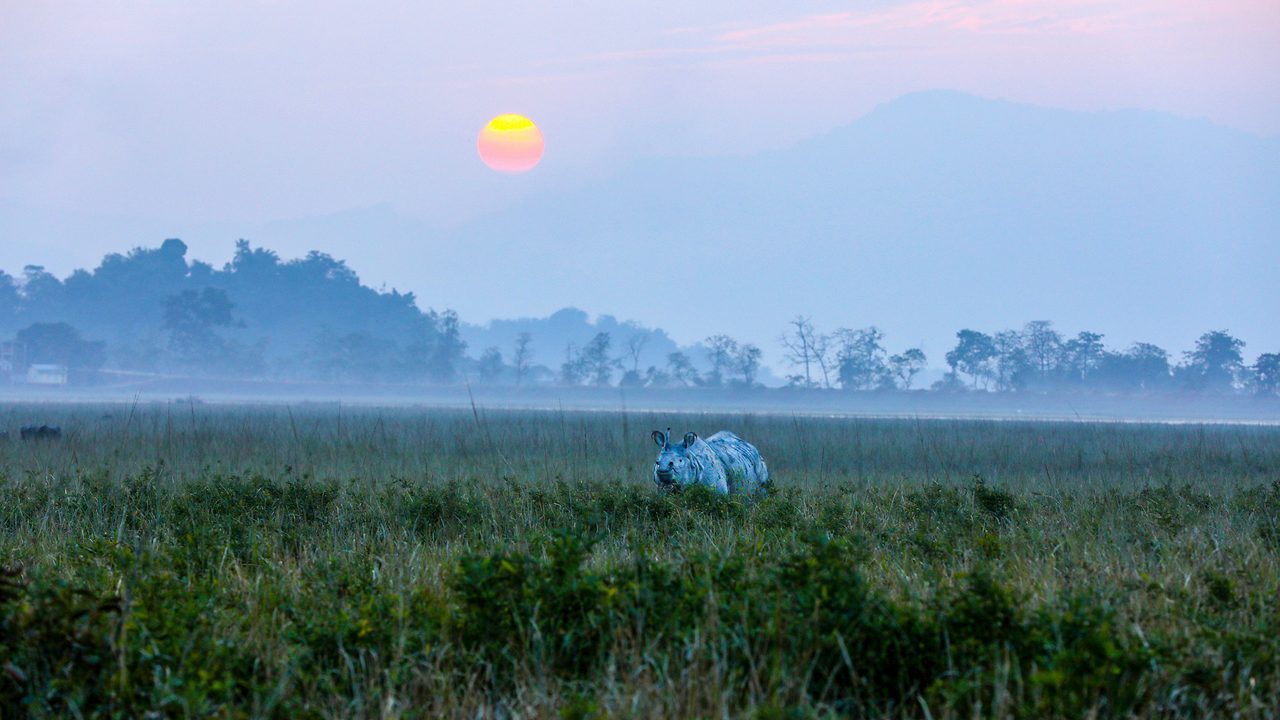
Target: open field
263	561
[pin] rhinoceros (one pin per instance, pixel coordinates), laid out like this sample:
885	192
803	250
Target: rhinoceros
40	432
723	462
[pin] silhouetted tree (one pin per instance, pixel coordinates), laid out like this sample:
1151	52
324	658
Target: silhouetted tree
1143	367
522	356
1081	356
60	344
681	369
10	301
906	365
41	287
447	349
635	346
192	320
806	349
822	355
747	363
1266	374
721	350
43	298
972	355
861	361
1012	364
596	362
126	293
1043	346
1215	364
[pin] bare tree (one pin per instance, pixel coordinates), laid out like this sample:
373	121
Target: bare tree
807	349
522	356
1043	346
823	347
635	345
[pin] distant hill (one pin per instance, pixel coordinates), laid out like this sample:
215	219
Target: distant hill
936	211
571	326
154	310
551	336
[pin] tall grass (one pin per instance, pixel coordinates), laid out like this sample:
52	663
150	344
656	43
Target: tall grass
316	561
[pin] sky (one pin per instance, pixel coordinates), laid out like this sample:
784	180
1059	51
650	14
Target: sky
124	123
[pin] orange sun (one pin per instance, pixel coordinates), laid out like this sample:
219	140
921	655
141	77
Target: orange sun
510	144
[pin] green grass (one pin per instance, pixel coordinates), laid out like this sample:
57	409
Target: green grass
198	561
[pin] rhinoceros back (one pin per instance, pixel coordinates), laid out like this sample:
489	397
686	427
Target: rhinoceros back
744	469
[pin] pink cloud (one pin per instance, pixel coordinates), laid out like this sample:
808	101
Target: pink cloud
987	17
1185	56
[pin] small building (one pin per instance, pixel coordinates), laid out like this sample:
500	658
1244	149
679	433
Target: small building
47	375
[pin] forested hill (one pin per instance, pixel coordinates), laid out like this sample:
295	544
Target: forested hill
152	309
637	347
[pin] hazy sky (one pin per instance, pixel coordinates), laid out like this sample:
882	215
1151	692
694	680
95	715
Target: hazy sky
168	116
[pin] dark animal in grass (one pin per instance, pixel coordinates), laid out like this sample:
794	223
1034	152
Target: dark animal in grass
723	462
41	432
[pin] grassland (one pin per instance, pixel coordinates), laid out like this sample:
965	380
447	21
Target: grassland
186	560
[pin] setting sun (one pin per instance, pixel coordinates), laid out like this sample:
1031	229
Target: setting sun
510	144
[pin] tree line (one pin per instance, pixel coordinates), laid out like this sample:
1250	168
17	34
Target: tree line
153	311
1035	358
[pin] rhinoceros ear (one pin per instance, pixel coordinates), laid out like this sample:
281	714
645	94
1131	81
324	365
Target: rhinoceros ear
690	438
659	438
